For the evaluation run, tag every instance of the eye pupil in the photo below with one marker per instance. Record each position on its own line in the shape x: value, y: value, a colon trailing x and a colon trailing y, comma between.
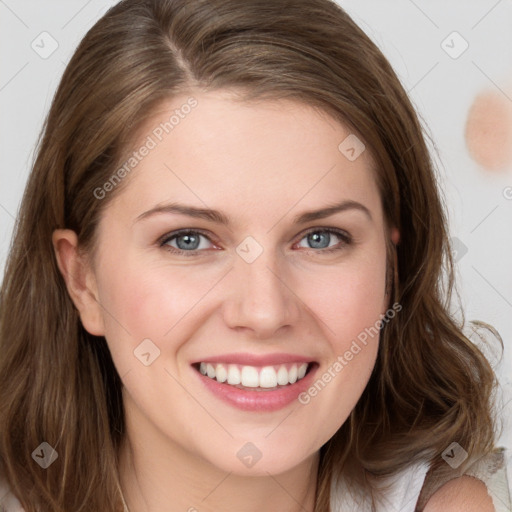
x: 191, y: 241
x: 316, y: 239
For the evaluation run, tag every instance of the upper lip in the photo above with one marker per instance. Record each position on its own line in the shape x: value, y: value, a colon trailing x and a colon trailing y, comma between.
x: 246, y: 359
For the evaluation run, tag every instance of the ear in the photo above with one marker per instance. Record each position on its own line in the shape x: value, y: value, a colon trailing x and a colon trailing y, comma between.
x: 395, y: 236
x: 80, y: 280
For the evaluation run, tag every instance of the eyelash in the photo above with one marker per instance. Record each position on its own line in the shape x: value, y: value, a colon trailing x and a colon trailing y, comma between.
x: 346, y: 239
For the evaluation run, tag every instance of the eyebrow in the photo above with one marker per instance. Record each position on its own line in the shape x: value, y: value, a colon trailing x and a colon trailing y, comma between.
x: 220, y: 218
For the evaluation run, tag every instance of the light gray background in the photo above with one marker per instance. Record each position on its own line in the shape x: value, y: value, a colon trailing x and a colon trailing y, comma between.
x: 410, y: 34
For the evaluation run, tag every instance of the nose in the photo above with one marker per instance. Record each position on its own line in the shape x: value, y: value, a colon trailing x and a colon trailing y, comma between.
x: 261, y: 299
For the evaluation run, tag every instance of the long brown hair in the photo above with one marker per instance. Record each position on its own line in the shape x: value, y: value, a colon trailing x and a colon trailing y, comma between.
x: 430, y: 385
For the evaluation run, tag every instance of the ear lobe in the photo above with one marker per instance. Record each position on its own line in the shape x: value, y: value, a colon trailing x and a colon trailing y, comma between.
x: 80, y: 280
x: 395, y: 236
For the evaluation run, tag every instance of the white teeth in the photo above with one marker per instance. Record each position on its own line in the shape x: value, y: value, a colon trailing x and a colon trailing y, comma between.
x: 292, y: 374
x: 249, y: 377
x: 268, y: 377
x: 301, y: 373
x: 282, y: 376
x: 221, y: 373
x: 233, y: 374
x: 252, y: 376
x: 210, y: 371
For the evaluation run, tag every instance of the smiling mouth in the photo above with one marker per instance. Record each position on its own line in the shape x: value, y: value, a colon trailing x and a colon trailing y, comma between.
x: 255, y: 378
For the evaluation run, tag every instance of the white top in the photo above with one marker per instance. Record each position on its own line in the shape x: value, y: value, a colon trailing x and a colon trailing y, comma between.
x: 494, y: 470
x: 402, y: 496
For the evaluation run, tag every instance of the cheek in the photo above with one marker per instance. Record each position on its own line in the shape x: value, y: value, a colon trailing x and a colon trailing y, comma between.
x: 349, y: 303
x: 348, y: 299
x: 141, y: 301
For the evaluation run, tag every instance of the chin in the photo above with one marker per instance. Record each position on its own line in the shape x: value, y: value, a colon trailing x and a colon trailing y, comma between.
x: 258, y: 459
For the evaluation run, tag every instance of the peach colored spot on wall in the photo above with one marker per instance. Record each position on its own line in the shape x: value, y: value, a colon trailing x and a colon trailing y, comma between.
x: 489, y: 131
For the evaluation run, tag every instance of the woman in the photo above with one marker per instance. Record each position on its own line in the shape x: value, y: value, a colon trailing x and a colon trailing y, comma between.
x: 225, y: 290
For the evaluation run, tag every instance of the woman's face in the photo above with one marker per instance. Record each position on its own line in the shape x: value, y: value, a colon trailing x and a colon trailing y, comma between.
x: 258, y: 286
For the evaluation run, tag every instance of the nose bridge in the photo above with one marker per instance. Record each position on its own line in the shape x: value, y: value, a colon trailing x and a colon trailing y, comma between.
x: 260, y: 298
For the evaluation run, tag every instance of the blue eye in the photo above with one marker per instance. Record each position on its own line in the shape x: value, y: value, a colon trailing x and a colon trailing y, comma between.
x: 320, y: 238
x: 187, y: 242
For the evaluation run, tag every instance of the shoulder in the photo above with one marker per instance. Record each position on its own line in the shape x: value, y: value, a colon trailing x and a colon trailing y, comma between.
x: 8, y: 502
x: 463, y: 494
x: 483, y: 486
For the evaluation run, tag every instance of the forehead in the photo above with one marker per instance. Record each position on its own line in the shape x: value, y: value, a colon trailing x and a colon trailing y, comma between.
x: 251, y: 154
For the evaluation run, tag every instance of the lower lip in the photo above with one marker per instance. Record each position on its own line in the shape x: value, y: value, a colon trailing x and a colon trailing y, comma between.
x: 250, y: 400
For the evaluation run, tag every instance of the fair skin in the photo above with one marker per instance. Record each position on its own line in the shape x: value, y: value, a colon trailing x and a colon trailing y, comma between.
x: 464, y: 494
x: 260, y: 164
